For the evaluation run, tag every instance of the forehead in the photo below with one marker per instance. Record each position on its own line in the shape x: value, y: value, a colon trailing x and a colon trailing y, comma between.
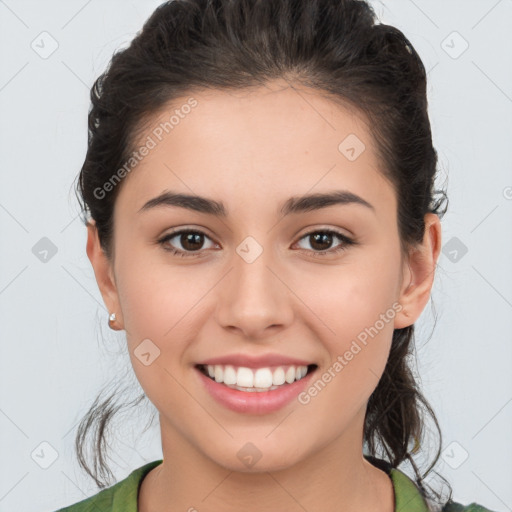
x: 254, y: 146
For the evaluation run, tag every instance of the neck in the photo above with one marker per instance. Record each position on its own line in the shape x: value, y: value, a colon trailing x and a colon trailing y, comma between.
x: 335, y: 478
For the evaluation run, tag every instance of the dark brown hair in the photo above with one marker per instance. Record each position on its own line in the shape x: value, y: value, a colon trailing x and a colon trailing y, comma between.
x: 336, y: 47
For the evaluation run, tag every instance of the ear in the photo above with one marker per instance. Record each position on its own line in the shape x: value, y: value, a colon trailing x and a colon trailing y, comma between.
x: 419, y: 272
x: 104, y: 274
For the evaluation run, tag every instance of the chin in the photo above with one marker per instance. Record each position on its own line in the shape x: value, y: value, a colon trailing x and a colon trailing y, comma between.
x: 248, y: 458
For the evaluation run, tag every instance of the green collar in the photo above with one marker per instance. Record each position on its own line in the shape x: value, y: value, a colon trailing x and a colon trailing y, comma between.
x: 125, y: 497
x: 407, y: 495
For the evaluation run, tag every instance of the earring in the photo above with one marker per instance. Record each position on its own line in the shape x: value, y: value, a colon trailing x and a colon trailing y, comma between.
x: 111, y: 318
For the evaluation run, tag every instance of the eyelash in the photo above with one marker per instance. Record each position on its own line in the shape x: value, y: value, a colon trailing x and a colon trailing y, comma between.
x: 192, y: 254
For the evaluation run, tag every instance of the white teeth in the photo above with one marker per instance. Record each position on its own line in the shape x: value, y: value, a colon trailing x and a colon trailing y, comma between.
x: 300, y: 372
x: 229, y: 375
x: 290, y: 375
x: 244, y: 378
x: 261, y: 379
x: 278, y: 377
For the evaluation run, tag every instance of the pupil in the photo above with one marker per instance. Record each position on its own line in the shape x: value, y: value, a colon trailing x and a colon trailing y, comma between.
x: 191, y: 238
x: 322, y: 238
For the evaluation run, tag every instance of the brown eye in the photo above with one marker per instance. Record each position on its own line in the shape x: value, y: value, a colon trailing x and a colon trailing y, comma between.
x: 191, y: 241
x: 321, y: 242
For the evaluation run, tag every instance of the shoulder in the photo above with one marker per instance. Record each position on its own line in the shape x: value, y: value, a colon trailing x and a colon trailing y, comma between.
x: 120, y: 497
x: 409, y: 498
x: 100, y: 502
x: 453, y: 506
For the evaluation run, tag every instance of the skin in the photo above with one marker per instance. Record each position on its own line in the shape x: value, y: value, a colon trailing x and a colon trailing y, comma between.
x: 253, y: 150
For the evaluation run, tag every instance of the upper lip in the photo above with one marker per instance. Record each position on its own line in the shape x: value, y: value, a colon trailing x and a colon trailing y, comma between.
x: 249, y: 361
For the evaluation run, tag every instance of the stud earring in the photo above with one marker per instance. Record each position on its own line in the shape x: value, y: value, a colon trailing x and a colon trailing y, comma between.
x: 111, y: 318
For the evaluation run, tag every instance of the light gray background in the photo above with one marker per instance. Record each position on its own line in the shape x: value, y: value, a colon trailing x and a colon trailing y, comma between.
x: 57, y: 350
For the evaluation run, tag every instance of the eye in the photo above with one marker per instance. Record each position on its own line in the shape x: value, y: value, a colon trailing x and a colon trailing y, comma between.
x: 190, y: 240
x: 319, y: 239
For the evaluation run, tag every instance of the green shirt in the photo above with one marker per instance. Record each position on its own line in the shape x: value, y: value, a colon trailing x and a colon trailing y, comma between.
x: 122, y: 496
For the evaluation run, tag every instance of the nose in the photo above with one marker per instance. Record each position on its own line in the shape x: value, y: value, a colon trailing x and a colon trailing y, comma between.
x: 254, y: 298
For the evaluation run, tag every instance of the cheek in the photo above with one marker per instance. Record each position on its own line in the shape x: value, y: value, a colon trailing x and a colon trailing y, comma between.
x: 358, y: 304
x: 159, y: 307
x: 352, y: 297
x: 154, y: 296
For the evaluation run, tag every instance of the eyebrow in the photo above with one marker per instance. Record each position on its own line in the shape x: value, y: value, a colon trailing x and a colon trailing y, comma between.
x: 293, y: 205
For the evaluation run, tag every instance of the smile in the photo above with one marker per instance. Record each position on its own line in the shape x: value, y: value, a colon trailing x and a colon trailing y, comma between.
x: 254, y: 390
x: 255, y: 379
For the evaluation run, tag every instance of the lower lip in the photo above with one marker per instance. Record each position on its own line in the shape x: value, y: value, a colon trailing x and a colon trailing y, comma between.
x: 254, y: 402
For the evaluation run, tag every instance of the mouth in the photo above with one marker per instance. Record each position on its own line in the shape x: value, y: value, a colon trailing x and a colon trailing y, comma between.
x: 255, y: 379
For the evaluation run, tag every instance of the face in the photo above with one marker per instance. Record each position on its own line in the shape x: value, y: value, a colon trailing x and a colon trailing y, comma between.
x: 320, y: 286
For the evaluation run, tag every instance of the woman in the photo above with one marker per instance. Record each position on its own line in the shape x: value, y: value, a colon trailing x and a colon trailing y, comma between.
x: 264, y: 226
